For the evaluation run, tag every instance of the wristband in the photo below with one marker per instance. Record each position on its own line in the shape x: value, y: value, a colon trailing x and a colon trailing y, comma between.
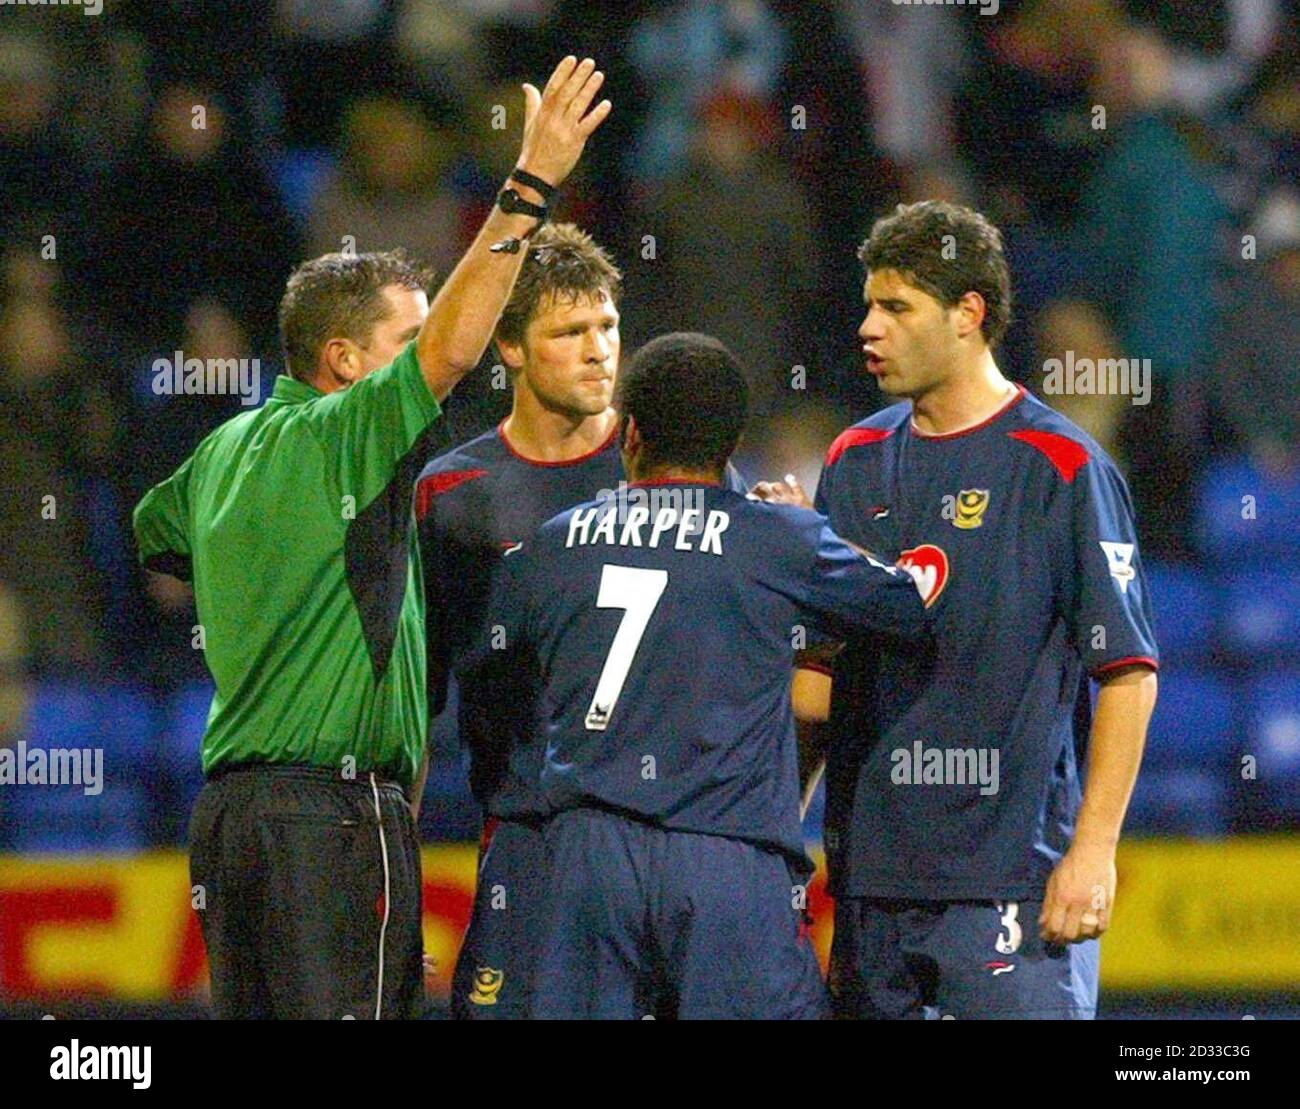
x: 533, y: 182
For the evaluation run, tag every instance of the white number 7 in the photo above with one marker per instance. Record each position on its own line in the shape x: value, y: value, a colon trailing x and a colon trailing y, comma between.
x: 637, y: 591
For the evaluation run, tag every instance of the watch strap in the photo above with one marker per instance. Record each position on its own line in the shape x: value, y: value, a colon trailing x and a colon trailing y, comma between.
x: 533, y: 182
x: 508, y: 200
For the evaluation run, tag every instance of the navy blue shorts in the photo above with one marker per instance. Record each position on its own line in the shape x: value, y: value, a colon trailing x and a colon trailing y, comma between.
x: 901, y: 960
x: 645, y: 922
x: 493, y: 976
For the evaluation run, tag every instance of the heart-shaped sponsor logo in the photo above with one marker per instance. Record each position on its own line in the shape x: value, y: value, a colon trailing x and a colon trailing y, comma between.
x: 928, y: 566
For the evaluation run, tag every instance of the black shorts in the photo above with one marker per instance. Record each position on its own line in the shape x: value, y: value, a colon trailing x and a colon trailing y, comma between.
x: 308, y: 887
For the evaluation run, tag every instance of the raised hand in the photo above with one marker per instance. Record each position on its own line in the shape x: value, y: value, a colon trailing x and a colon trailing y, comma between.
x: 556, y: 121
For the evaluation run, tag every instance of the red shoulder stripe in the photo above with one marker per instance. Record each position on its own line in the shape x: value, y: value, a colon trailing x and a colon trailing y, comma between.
x: 1065, y: 454
x: 817, y: 667
x: 856, y: 437
x: 1132, y: 660
x: 435, y: 484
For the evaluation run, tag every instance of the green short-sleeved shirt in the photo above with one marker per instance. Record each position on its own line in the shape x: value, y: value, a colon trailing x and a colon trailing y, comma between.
x: 293, y: 522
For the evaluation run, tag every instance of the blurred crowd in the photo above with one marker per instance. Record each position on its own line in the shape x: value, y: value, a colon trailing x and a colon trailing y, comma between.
x: 165, y: 164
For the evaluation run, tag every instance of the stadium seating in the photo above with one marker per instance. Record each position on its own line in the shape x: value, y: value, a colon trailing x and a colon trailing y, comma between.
x: 1261, y: 613
x: 71, y: 714
x: 1271, y: 798
x: 1185, y: 786
x: 1180, y: 801
x: 1185, y: 612
x: 1194, y: 723
x: 181, y: 740
x: 1232, y: 530
x: 120, y: 724
x: 57, y: 819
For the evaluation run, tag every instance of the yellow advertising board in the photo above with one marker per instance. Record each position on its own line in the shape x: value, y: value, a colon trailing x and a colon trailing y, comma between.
x: 1189, y: 916
x: 1206, y: 915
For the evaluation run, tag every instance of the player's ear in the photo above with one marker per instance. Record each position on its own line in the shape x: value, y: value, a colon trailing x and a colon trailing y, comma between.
x: 971, y: 311
x: 630, y: 445
x: 630, y: 434
x: 512, y: 355
x: 340, y: 360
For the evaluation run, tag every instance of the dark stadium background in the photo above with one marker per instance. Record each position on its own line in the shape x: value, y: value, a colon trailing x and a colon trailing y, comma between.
x: 751, y: 145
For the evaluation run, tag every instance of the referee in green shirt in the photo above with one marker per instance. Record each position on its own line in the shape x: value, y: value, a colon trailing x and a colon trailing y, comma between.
x: 293, y: 524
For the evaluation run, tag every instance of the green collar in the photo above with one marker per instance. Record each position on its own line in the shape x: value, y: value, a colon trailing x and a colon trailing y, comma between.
x: 289, y: 390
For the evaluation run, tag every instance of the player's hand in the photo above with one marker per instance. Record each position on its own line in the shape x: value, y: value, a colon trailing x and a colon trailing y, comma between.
x: 431, y: 983
x: 556, y: 121
x: 1079, y: 895
x: 782, y: 492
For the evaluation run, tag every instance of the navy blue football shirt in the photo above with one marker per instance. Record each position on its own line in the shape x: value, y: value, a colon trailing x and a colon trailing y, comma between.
x: 473, y: 503
x: 663, y: 623
x: 955, y: 775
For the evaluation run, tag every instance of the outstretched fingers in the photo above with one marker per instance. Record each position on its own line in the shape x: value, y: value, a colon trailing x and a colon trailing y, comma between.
x: 574, y: 82
x: 578, y: 107
x: 559, y: 75
x: 594, y: 118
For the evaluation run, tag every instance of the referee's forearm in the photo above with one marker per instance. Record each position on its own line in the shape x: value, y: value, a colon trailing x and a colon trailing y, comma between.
x: 466, y: 310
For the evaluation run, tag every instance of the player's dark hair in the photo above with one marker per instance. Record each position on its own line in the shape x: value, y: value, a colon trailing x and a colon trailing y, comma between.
x: 565, y: 263
x: 690, y: 399
x: 340, y: 296
x: 914, y: 241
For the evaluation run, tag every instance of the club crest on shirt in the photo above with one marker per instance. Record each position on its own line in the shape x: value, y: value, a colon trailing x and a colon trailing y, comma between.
x: 487, y: 984
x: 971, y: 504
x: 928, y: 566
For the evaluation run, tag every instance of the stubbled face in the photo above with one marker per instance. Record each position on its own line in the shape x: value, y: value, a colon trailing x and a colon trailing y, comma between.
x: 908, y: 337
x: 569, y: 356
x: 407, y: 309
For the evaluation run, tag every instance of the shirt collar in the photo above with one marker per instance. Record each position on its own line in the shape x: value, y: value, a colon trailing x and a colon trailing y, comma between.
x: 289, y: 390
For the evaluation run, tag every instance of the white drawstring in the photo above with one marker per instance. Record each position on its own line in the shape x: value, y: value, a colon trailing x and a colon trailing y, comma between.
x: 383, y: 927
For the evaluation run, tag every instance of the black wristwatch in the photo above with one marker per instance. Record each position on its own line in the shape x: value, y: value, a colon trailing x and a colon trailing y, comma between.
x: 510, y: 202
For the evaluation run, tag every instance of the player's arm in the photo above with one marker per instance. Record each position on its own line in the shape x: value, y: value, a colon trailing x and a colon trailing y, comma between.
x: 853, y: 591
x: 161, y: 525
x: 1081, y: 891
x: 369, y: 428
x: 1109, y: 607
x: 469, y: 304
x: 810, y: 694
x: 791, y: 492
